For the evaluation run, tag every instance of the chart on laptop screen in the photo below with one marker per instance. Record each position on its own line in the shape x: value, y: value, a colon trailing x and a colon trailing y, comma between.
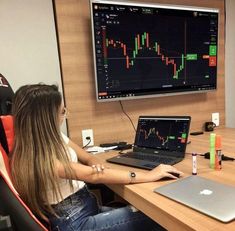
x: 162, y: 134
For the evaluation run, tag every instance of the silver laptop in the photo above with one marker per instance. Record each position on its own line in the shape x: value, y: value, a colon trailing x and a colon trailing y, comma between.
x: 158, y: 139
x: 209, y: 197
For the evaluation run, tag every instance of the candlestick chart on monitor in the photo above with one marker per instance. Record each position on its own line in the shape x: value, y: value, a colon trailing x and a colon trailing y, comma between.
x: 146, y: 50
x: 164, y: 135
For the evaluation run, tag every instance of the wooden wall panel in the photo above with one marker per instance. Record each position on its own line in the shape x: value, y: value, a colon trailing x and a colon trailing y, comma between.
x: 107, y: 119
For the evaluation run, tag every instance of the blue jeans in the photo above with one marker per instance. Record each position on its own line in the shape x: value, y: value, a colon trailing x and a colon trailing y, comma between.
x: 80, y: 211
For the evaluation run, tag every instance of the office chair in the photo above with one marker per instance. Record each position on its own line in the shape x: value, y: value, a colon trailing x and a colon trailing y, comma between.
x: 11, y: 204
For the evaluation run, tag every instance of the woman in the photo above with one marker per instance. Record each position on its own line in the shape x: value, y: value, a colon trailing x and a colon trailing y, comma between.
x: 49, y: 170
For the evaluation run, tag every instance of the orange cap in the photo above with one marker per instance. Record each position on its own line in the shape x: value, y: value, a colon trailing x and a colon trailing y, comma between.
x: 218, y: 142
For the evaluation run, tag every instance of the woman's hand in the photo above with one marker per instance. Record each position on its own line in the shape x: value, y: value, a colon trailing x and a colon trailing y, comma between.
x: 162, y: 171
x: 97, y: 168
x: 96, y: 164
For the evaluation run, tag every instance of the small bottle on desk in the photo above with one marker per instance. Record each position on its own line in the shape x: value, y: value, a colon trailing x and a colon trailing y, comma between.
x: 194, y: 162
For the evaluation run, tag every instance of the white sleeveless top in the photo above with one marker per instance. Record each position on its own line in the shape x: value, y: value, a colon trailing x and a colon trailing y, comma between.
x: 64, y: 184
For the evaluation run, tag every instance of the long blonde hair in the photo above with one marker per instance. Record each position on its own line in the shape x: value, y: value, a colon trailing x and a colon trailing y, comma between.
x: 38, y: 143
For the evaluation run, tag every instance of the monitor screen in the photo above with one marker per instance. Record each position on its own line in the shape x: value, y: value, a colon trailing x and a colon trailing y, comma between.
x: 148, y: 50
x: 164, y: 133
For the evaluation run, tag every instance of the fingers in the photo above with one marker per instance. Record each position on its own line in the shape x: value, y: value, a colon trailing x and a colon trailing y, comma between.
x: 170, y: 171
x: 97, y: 168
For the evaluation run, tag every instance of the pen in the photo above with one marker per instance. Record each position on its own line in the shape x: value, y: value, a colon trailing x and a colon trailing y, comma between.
x: 218, y: 153
x: 212, y: 150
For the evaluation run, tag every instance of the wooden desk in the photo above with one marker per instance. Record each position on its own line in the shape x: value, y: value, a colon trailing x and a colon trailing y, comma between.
x: 170, y: 214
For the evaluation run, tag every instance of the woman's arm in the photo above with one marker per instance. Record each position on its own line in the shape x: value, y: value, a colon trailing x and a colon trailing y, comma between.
x: 116, y: 176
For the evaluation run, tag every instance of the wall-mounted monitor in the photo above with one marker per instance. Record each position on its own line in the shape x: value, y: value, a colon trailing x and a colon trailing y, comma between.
x: 148, y: 50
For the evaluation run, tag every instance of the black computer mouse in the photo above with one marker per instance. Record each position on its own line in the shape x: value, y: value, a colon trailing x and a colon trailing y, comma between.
x: 172, y: 173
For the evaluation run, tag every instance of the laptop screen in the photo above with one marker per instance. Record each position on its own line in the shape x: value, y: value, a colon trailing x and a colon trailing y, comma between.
x: 163, y: 133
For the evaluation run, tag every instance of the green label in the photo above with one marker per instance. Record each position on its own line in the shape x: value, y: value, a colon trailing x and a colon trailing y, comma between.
x: 212, y: 50
x: 191, y: 57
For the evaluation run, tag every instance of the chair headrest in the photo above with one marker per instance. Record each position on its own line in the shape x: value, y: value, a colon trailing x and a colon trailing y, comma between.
x: 6, y: 95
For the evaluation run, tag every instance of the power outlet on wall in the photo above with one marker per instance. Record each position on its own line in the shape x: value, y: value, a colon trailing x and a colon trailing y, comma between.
x: 87, y: 138
x: 215, y: 118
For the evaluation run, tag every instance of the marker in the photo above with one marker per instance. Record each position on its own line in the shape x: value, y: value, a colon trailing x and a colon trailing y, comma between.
x: 218, y: 153
x: 212, y: 150
x: 194, y: 158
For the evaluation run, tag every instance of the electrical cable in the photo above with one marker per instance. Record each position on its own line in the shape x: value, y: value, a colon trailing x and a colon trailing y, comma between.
x: 207, y: 156
x: 89, y: 141
x: 127, y: 115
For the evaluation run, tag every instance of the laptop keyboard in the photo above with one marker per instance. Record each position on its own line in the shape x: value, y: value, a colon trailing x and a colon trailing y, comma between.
x: 148, y: 157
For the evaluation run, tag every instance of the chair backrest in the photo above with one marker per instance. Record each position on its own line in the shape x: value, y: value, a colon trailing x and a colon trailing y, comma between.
x: 10, y: 202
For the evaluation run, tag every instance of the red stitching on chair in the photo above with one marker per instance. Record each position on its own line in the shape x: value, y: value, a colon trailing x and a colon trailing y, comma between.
x: 6, y: 162
x: 7, y: 121
x: 23, y: 204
